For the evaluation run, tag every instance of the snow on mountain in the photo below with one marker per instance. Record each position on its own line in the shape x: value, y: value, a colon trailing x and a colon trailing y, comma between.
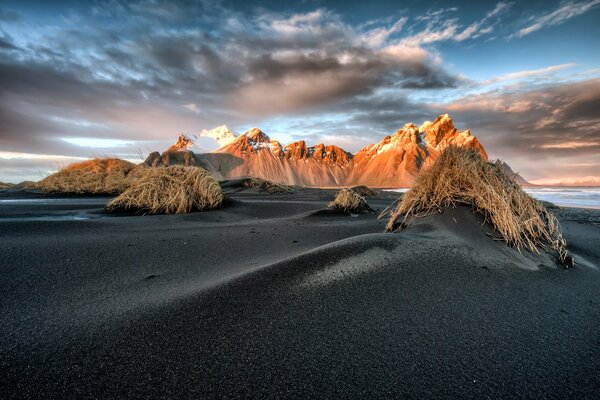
x: 221, y: 134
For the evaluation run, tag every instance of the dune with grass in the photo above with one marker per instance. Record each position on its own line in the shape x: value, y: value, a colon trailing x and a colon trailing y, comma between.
x: 4, y: 185
x: 462, y: 176
x: 365, y: 191
x: 97, y: 176
x: 267, y: 186
x: 24, y: 185
x: 349, y: 201
x: 169, y: 190
x: 255, y: 186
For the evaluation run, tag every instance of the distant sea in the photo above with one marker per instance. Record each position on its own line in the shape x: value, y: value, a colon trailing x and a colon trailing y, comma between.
x: 584, y: 197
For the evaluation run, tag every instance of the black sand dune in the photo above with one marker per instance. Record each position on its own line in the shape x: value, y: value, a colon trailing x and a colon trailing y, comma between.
x: 270, y: 297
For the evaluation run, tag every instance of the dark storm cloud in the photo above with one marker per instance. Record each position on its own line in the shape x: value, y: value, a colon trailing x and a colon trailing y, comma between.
x: 279, y: 57
x: 43, y: 83
x: 386, y: 112
x: 547, y: 127
x: 364, y: 65
x: 360, y: 120
x: 308, y: 81
x: 121, y: 60
x: 34, y: 98
x: 550, y: 116
x: 7, y: 44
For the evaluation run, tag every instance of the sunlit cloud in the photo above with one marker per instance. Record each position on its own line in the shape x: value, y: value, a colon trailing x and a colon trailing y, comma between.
x: 8, y: 155
x: 569, y: 181
x: 78, y: 122
x: 192, y: 107
x: 569, y: 145
x: 97, y: 142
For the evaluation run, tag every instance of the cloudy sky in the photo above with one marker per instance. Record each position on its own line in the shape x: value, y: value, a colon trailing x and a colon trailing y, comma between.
x: 122, y: 78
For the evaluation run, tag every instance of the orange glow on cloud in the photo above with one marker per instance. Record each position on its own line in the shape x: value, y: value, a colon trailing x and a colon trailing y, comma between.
x: 569, y: 145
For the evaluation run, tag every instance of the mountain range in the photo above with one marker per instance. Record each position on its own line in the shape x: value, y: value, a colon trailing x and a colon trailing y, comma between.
x: 393, y: 162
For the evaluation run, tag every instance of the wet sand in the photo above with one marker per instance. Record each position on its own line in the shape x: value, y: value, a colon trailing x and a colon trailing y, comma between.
x: 274, y: 296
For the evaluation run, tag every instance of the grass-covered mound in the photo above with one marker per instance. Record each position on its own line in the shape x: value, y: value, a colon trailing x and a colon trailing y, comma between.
x: 97, y: 176
x: 462, y: 176
x: 5, y: 185
x: 365, y: 191
x: 171, y: 190
x: 349, y: 201
x: 24, y: 185
x: 268, y: 186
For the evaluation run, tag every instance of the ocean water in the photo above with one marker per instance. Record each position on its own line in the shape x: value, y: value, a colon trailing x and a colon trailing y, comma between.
x: 568, y: 197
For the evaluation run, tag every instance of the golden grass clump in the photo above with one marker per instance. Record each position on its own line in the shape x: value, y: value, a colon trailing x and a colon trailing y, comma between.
x: 268, y: 186
x: 97, y: 176
x: 365, y: 191
x: 462, y: 176
x: 5, y: 185
x: 350, y: 201
x: 170, y: 190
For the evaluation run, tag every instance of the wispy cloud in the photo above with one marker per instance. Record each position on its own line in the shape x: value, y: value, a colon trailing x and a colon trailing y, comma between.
x: 570, y: 145
x: 484, y: 26
x: 436, y: 15
x: 565, y: 12
x: 439, y: 28
x: 530, y: 73
x: 97, y: 142
x: 378, y: 36
x: 433, y: 34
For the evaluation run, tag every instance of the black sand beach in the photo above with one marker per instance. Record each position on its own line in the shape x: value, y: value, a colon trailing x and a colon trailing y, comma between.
x: 274, y: 296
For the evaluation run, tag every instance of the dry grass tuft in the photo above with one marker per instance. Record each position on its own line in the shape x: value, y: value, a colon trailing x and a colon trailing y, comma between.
x: 461, y: 176
x: 170, y: 190
x: 5, y: 185
x: 268, y: 186
x: 350, y: 201
x: 365, y: 191
x: 97, y: 176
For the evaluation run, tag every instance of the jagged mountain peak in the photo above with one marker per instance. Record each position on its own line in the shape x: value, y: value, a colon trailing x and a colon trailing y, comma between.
x: 409, y: 127
x: 256, y: 135
x: 296, y: 150
x: 183, y: 143
x: 331, y: 154
x: 250, y: 142
x: 424, y: 126
x: 442, y: 127
x: 428, y: 134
